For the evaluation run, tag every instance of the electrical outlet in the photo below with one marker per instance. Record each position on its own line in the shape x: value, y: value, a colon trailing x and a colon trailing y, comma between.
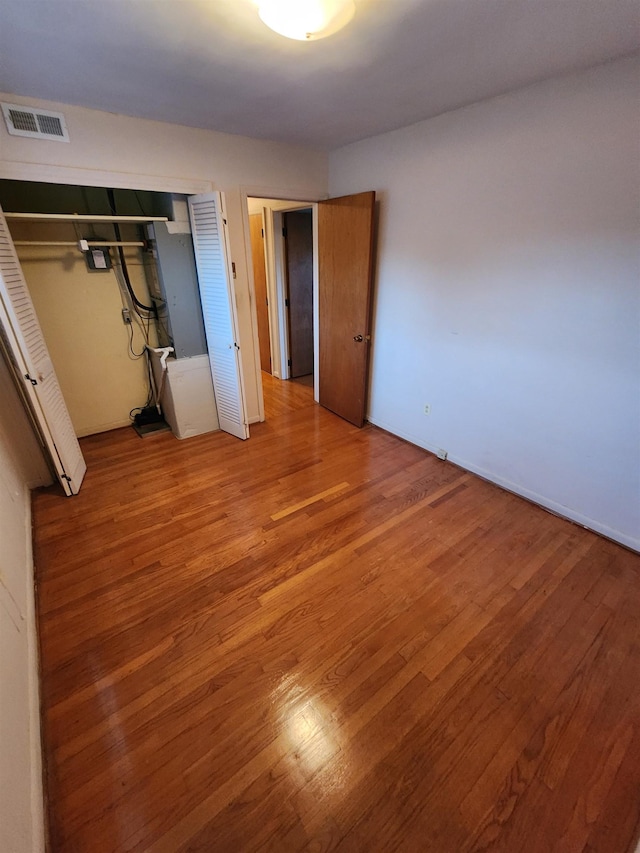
x: 427, y: 408
x: 442, y: 454
x: 126, y: 316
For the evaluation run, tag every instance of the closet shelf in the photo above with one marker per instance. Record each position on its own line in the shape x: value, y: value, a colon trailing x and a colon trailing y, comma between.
x: 99, y: 243
x: 82, y: 217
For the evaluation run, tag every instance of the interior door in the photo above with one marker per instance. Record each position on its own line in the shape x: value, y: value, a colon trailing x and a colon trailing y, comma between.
x: 260, y: 282
x: 298, y: 229
x: 211, y: 249
x: 25, y: 345
x: 345, y: 262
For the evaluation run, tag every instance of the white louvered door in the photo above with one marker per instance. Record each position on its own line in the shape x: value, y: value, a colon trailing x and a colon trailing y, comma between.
x: 210, y: 243
x: 23, y: 338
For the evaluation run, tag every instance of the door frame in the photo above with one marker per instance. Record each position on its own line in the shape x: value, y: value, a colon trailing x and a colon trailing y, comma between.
x: 276, y: 281
x: 262, y: 214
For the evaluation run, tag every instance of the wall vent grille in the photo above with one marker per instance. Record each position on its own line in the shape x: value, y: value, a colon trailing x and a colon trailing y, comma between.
x: 36, y: 123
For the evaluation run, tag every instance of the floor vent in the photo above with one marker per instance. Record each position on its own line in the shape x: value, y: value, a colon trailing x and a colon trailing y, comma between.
x: 36, y: 123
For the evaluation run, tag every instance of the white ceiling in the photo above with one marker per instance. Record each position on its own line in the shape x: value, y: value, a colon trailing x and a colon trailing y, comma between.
x: 213, y: 64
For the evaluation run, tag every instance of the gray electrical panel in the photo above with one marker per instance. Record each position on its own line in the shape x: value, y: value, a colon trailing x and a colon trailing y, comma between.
x: 178, y: 282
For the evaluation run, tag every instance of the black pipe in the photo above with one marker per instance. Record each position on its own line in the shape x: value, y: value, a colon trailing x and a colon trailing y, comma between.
x: 152, y: 309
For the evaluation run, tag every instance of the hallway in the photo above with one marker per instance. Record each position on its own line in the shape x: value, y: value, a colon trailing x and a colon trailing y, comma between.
x: 281, y: 397
x: 326, y: 639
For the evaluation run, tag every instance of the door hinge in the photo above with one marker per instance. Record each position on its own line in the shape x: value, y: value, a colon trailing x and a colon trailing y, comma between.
x: 286, y: 303
x: 262, y: 232
x: 31, y: 380
x: 65, y: 477
x: 233, y: 268
x: 288, y: 362
x: 284, y: 233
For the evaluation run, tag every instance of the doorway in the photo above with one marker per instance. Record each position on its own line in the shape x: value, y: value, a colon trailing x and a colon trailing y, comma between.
x: 298, y: 249
x: 283, y: 262
x: 342, y: 248
x: 99, y: 308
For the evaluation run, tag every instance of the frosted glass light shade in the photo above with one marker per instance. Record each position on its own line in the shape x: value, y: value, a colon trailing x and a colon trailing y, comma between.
x: 306, y: 20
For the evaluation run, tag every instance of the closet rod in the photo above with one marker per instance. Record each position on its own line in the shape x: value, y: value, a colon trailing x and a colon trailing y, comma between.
x: 82, y: 217
x: 97, y: 243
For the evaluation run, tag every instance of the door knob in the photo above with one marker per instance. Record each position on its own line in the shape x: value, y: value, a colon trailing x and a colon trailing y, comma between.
x: 358, y: 338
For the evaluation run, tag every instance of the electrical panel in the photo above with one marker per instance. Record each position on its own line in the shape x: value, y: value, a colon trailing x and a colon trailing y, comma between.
x: 98, y: 259
x: 179, y: 311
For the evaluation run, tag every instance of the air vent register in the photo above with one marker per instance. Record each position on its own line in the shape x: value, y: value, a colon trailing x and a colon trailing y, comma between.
x: 35, y: 123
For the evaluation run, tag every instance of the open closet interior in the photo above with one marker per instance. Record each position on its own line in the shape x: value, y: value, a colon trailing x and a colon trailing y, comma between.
x: 112, y: 277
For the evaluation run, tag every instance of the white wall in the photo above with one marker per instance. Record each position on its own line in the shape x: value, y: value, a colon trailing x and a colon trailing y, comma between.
x: 508, y: 290
x: 21, y: 463
x: 113, y: 150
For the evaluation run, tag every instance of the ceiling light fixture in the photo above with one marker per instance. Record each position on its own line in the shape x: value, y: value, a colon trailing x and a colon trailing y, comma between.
x: 306, y: 20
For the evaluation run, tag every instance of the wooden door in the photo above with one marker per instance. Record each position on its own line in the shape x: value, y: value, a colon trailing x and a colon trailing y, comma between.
x: 299, y: 258
x: 260, y: 282
x: 345, y: 259
x: 211, y: 250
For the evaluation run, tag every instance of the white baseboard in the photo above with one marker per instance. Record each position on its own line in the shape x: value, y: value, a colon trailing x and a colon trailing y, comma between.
x: 521, y: 491
x: 94, y: 430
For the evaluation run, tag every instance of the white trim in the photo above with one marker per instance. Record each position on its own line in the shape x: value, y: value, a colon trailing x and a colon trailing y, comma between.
x: 278, y: 194
x: 36, y: 786
x: 272, y: 308
x: 104, y: 427
x: 17, y: 171
x: 528, y: 494
x: 253, y: 309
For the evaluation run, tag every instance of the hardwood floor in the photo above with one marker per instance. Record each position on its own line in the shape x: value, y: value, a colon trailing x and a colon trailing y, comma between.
x: 326, y: 639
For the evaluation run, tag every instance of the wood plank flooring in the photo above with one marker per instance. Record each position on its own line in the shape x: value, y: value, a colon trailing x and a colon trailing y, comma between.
x: 326, y: 639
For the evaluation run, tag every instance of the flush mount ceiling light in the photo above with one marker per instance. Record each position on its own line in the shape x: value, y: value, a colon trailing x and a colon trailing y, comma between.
x: 306, y: 20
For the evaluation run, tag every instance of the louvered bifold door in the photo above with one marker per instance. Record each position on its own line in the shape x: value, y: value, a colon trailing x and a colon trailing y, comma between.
x: 23, y: 337
x: 211, y: 247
